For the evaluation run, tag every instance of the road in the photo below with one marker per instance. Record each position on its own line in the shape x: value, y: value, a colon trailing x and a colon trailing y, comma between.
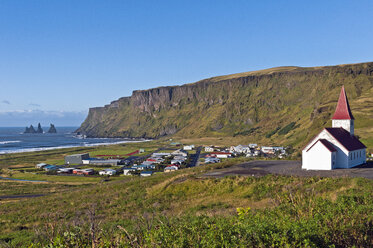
x: 195, y: 157
x: 290, y: 168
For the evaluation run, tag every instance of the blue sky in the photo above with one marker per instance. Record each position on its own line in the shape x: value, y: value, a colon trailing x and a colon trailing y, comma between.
x: 59, y: 58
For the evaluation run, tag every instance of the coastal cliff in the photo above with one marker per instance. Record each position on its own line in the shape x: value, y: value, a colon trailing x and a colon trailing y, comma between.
x: 282, y: 105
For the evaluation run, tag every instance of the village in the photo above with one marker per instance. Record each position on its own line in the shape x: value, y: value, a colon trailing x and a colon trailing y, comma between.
x: 163, y: 160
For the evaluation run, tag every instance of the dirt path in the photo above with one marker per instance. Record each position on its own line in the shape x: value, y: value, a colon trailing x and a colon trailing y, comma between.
x: 20, y: 196
x: 287, y: 167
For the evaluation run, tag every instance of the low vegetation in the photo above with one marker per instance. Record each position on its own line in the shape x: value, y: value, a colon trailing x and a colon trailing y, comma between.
x: 287, y: 128
x: 186, y: 209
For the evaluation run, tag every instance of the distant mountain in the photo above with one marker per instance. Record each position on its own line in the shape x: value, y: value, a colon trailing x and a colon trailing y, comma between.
x: 284, y: 105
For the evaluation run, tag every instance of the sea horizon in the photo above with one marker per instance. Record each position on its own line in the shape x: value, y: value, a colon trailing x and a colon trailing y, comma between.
x: 13, y: 140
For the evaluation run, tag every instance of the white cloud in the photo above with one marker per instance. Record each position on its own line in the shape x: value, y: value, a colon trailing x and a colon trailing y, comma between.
x: 27, y: 117
x: 34, y: 105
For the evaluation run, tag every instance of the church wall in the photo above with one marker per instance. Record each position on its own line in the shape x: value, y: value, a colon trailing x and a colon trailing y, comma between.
x: 357, y: 157
x: 342, y: 153
x: 346, y: 124
x: 318, y: 158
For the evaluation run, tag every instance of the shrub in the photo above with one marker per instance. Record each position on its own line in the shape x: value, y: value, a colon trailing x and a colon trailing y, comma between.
x: 287, y: 128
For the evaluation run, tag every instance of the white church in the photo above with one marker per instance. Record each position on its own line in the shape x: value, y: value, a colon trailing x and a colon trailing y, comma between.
x: 335, y: 147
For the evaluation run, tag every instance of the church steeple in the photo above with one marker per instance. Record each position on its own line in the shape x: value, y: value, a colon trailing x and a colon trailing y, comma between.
x: 343, y: 111
x: 343, y: 116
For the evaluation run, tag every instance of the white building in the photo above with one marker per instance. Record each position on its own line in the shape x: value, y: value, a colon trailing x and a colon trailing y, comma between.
x: 161, y: 154
x: 268, y: 149
x: 240, y: 149
x: 188, y: 147
x: 335, y: 147
x: 170, y: 168
x: 180, y: 153
x: 128, y: 171
x: 108, y: 172
x: 209, y: 149
x: 212, y: 160
x: 222, y: 154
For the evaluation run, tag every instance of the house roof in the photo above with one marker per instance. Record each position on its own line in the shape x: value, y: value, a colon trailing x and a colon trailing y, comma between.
x: 343, y: 111
x: 326, y: 143
x: 348, y: 141
x: 147, y: 172
x: 171, y: 168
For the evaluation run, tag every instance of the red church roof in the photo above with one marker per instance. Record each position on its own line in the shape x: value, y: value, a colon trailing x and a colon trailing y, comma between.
x: 350, y: 142
x: 343, y: 111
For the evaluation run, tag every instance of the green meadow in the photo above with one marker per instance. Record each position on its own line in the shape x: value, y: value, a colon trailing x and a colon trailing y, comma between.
x: 182, y: 209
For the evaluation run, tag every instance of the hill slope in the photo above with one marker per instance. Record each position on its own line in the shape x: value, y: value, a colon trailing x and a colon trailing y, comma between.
x: 285, y: 105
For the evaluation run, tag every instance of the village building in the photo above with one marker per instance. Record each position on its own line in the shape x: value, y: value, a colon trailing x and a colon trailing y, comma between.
x: 41, y: 165
x: 83, y: 171
x: 128, y: 171
x: 240, y: 149
x: 76, y: 158
x: 222, y: 154
x: 268, y: 150
x: 66, y: 170
x: 110, y: 162
x: 335, y: 147
x: 212, y: 160
x: 161, y: 154
x: 146, y: 173
x: 188, y: 147
x: 209, y: 149
x: 171, y: 168
x: 108, y: 172
x: 180, y: 153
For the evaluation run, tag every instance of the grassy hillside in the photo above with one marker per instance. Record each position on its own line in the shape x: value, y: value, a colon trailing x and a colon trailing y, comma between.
x: 285, y: 105
x: 183, y: 209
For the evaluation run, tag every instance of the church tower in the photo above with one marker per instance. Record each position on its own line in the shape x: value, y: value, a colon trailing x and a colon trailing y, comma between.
x: 343, y: 116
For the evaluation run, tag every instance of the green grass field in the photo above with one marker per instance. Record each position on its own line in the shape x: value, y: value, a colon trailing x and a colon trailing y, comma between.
x: 182, y: 208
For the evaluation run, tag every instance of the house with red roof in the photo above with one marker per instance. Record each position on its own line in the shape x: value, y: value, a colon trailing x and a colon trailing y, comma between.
x: 335, y: 147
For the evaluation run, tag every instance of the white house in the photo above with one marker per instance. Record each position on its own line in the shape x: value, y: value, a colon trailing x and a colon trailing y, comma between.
x: 188, y: 147
x: 209, y: 149
x: 127, y: 171
x: 109, y: 172
x: 212, y: 160
x: 180, y: 153
x: 161, y: 154
x: 335, y: 147
x: 170, y: 168
x: 268, y: 149
x: 240, y: 149
x: 41, y: 165
x: 222, y: 154
x: 146, y: 173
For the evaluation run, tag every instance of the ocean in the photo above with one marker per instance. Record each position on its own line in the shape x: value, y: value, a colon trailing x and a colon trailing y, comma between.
x: 13, y: 140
